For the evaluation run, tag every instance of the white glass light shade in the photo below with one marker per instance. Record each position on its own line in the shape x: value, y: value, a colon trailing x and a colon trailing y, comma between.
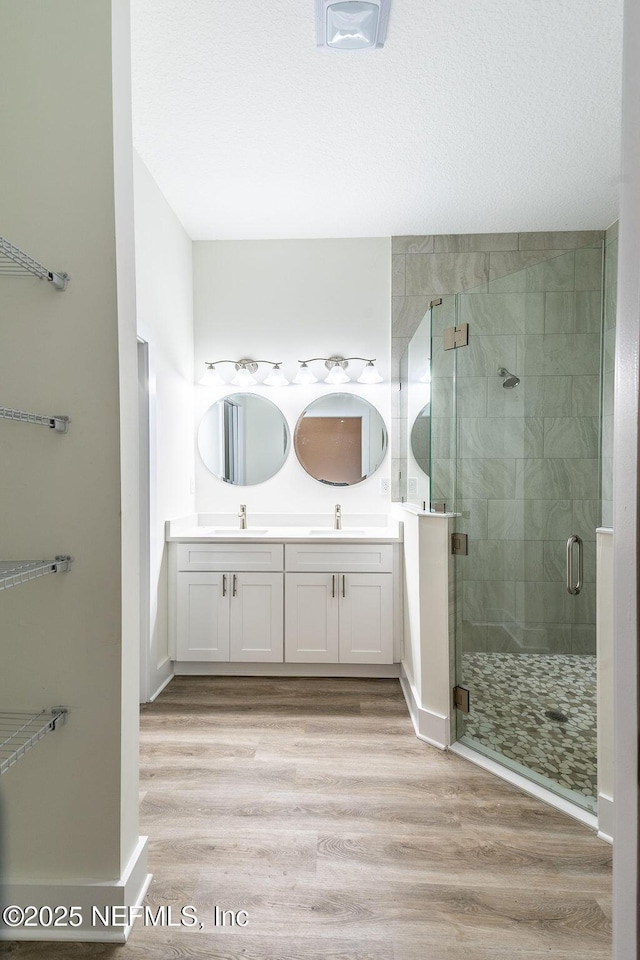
x: 305, y: 375
x: 276, y: 378
x: 370, y: 374
x: 351, y: 24
x: 211, y: 377
x: 244, y: 378
x: 337, y: 375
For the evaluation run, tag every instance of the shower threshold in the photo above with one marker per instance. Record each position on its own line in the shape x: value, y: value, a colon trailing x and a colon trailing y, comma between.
x: 568, y: 801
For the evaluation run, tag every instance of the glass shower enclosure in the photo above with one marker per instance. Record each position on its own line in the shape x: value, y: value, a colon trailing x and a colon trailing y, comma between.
x: 509, y: 440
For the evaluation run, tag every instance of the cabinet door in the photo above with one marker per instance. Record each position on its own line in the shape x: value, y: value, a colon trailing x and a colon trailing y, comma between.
x: 311, y: 618
x: 256, y: 617
x: 366, y: 618
x: 202, y: 613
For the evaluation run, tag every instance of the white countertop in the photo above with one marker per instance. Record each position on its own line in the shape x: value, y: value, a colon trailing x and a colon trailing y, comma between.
x: 269, y: 528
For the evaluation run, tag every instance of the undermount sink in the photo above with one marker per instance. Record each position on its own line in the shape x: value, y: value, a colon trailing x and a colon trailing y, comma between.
x: 331, y: 531
x: 236, y: 532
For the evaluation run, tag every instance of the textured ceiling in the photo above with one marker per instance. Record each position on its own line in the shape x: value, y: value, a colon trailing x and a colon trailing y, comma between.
x: 476, y: 116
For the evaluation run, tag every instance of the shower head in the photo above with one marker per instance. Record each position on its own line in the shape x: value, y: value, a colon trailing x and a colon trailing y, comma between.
x: 510, y: 379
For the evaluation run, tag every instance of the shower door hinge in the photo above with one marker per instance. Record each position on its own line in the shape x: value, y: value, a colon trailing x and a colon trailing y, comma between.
x: 455, y: 337
x: 459, y: 545
x: 461, y: 699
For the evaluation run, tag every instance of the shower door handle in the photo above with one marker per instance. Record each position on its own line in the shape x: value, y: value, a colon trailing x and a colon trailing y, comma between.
x: 574, y: 586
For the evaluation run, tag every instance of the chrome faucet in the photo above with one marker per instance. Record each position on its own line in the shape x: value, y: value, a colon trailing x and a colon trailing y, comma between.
x: 243, y: 516
x: 338, y: 518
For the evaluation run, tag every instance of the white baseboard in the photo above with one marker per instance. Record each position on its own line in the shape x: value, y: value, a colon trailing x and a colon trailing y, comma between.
x: 127, y: 892
x: 165, y: 683
x: 605, y: 817
x: 197, y: 668
x: 431, y: 727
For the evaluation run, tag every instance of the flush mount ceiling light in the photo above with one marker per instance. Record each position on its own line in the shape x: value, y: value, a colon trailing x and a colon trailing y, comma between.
x: 351, y: 24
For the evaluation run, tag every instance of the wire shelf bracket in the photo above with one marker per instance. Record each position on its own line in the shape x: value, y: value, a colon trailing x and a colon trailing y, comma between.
x: 13, y: 573
x: 59, y: 423
x: 19, y: 732
x: 14, y: 262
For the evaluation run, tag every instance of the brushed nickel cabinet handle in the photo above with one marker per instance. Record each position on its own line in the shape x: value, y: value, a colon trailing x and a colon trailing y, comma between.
x: 344, y: 585
x: 224, y: 584
x: 333, y: 585
x: 235, y: 585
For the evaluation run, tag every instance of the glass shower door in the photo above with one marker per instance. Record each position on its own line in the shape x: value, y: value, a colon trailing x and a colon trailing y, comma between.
x: 527, y: 481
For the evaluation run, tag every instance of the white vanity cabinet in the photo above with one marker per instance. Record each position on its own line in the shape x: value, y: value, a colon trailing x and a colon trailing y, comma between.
x: 339, y: 603
x: 227, y: 602
x: 237, y: 603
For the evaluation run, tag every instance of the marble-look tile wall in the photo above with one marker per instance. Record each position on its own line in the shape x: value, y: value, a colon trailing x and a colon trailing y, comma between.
x: 527, y: 472
x: 608, y: 369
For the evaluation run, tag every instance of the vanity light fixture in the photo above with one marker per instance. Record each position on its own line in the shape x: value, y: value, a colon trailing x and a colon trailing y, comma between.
x: 244, y: 376
x: 337, y: 367
x: 246, y: 369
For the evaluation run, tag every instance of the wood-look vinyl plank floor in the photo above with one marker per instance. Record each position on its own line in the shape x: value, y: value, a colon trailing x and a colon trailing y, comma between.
x: 311, y: 804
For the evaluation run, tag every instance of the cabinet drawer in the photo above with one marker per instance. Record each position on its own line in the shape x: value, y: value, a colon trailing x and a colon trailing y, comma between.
x: 338, y: 558
x: 223, y: 557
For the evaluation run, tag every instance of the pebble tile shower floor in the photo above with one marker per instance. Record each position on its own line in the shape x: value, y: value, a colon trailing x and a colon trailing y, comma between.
x: 511, y: 695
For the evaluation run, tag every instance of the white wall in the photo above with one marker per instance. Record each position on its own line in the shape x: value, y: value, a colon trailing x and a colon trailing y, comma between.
x: 427, y: 656
x: 164, y: 288
x: 625, y: 514
x: 289, y: 300
x: 71, y: 803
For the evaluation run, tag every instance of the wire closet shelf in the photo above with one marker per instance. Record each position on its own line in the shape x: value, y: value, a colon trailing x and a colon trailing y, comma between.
x: 14, y: 262
x: 19, y: 732
x: 59, y: 423
x: 13, y: 573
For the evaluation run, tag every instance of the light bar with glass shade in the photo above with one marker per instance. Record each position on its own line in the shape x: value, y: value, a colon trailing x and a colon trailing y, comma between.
x: 246, y: 370
x: 337, y: 367
x: 244, y: 375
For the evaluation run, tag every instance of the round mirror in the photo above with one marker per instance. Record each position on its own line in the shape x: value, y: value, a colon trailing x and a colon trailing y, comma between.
x: 340, y: 439
x: 243, y: 439
x: 421, y: 438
